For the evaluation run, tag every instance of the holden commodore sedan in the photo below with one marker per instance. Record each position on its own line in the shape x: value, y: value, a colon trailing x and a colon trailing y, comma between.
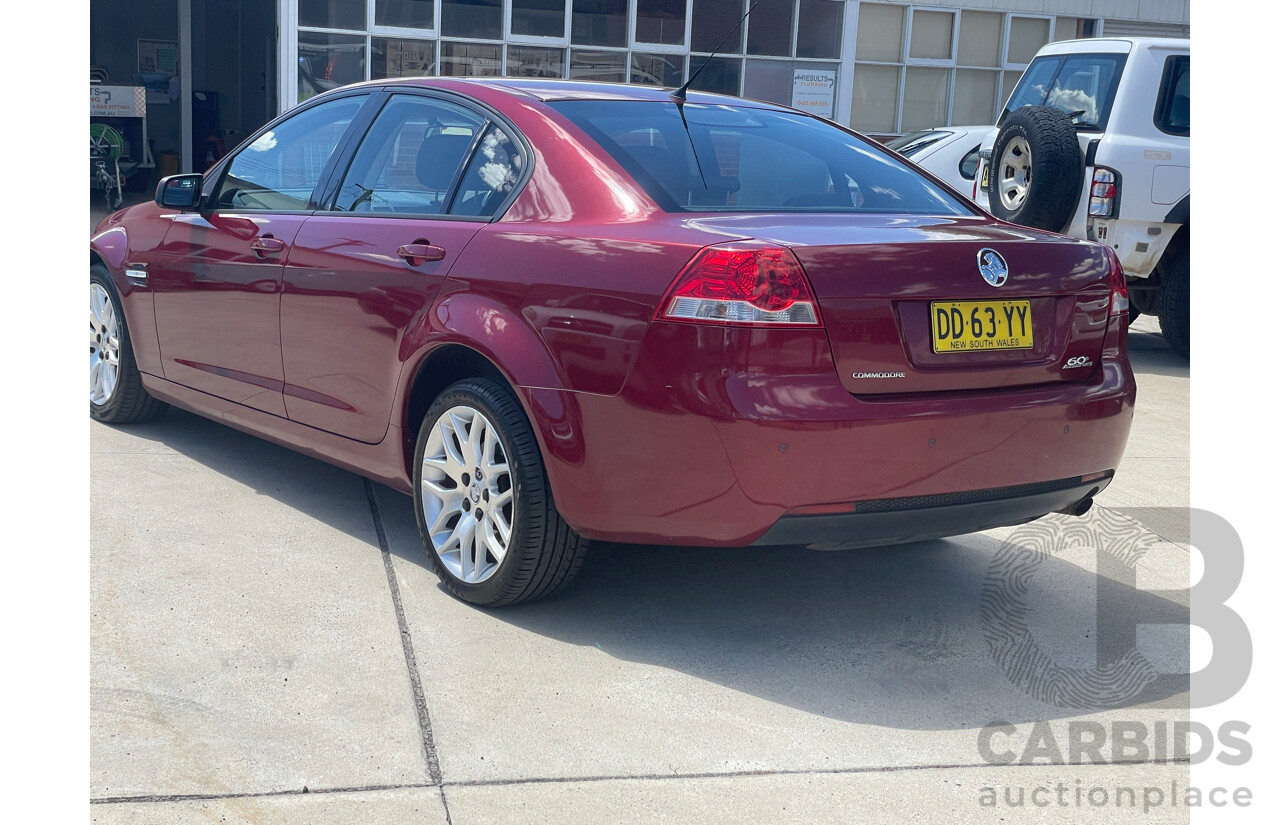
x: 557, y: 312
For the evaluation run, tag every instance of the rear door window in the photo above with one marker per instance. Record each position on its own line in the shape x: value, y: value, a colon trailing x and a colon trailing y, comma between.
x: 732, y: 158
x: 1173, y: 109
x: 411, y: 158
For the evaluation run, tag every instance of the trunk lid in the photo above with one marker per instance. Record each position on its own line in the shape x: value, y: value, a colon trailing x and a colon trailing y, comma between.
x: 881, y: 279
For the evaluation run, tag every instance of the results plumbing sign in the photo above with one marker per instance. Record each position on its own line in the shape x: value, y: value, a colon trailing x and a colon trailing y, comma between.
x: 814, y: 92
x: 117, y: 101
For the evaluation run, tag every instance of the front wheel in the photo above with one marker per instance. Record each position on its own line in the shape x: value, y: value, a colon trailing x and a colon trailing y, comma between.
x: 116, y: 394
x: 483, y: 502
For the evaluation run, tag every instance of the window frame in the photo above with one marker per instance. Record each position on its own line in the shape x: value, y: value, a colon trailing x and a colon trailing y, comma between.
x: 953, y: 64
x: 536, y: 40
x: 635, y: 45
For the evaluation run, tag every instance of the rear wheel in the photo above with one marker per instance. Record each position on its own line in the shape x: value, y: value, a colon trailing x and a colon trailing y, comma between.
x: 1036, y: 169
x: 116, y: 394
x: 1175, y: 294
x: 483, y: 502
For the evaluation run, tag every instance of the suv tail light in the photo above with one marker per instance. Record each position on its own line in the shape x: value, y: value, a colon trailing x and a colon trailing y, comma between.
x: 1104, y: 193
x: 1119, y: 290
x: 743, y: 283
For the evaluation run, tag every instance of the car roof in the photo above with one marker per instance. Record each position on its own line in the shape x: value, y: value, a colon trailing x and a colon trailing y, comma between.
x: 551, y: 90
x: 1123, y: 45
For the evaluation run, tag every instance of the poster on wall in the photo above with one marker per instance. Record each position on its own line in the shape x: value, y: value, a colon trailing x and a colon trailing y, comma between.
x: 814, y: 91
x: 158, y: 69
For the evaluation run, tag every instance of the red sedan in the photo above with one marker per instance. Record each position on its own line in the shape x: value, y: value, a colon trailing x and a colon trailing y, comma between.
x: 556, y: 312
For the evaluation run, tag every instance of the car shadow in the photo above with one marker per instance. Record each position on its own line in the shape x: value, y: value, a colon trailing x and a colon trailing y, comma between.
x: 895, y: 637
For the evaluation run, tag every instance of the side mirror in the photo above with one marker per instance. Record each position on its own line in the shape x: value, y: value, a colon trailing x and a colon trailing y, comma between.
x: 179, y: 191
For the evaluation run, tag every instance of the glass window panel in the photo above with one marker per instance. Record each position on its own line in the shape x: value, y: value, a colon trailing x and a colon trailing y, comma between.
x: 492, y: 174
x: 410, y: 158
x: 332, y: 14
x: 931, y: 34
x: 713, y: 20
x: 534, y: 61
x: 769, y: 80
x: 754, y: 160
x: 600, y: 23
x: 471, y: 18
x: 470, y: 59
x: 879, y: 32
x: 657, y: 69
x: 538, y: 18
x: 821, y: 23
x: 606, y: 66
x: 407, y: 14
x: 875, y: 97
x: 1026, y: 36
x: 327, y: 61
x: 722, y: 75
x: 975, y: 98
x: 1009, y: 83
x: 769, y: 28
x: 278, y: 170
x: 1066, y: 28
x: 924, y: 98
x: 660, y: 21
x: 774, y: 80
x: 980, y: 33
x: 1173, y: 108
x: 402, y: 58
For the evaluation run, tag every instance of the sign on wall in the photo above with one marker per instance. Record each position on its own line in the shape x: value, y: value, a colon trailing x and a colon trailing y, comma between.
x: 814, y: 91
x: 117, y: 101
x: 157, y: 69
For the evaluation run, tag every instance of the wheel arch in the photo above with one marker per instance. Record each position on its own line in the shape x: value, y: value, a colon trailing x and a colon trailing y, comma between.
x: 475, y: 331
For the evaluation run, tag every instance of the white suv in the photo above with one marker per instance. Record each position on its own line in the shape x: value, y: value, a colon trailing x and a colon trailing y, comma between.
x: 1095, y: 142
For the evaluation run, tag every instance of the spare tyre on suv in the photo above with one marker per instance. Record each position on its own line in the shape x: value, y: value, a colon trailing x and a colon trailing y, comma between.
x: 1095, y: 142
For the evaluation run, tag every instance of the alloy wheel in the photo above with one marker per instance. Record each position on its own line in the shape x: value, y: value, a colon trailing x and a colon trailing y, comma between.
x: 104, y: 346
x: 468, y: 500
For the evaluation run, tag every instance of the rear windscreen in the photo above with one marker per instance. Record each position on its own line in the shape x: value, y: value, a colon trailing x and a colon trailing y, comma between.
x: 1082, y: 85
x: 721, y: 158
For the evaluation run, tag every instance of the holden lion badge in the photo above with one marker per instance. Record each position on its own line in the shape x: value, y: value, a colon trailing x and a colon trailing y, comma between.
x: 993, y: 268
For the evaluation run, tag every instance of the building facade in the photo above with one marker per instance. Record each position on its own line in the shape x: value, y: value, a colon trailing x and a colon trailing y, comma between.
x: 883, y: 67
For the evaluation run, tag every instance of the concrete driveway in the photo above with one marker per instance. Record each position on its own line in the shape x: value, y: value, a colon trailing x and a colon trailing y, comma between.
x: 269, y: 645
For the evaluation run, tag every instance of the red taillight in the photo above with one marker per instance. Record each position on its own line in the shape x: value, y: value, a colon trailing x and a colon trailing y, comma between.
x: 743, y: 283
x: 1119, y: 290
x: 1103, y: 193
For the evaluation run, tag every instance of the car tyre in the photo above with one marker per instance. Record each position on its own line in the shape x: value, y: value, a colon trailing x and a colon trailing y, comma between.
x: 116, y: 394
x: 483, y: 503
x: 1036, y: 169
x: 1175, y: 295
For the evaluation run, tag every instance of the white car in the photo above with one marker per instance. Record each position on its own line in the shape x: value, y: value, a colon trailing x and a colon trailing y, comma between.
x: 1095, y: 142
x: 949, y: 152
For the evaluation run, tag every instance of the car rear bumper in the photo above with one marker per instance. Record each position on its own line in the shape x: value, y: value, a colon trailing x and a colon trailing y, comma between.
x: 894, y: 521
x: 702, y: 447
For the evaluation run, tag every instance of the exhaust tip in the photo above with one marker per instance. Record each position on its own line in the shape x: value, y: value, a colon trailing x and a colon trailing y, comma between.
x: 1081, y: 507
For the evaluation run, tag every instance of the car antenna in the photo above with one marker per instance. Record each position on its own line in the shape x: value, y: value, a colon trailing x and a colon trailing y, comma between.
x: 679, y: 95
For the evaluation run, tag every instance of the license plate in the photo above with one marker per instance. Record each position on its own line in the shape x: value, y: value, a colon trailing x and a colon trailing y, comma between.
x: 974, y: 326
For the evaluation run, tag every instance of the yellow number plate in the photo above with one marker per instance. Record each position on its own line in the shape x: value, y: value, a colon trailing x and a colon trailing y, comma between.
x: 973, y: 326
